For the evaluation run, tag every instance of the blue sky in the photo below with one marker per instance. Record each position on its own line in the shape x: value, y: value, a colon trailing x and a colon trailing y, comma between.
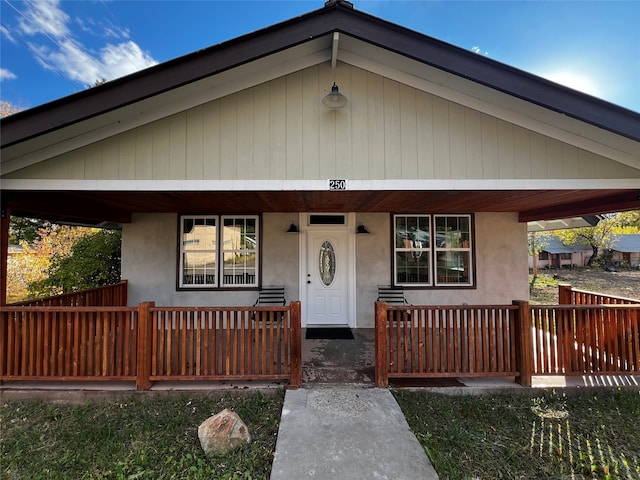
x: 50, y: 49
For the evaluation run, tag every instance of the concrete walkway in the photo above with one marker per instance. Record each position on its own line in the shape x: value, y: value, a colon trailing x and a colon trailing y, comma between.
x: 347, y: 433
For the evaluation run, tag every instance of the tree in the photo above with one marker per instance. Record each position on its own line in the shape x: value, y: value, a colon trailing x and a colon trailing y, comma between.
x: 31, y: 264
x: 537, y: 242
x: 7, y: 108
x: 23, y: 229
x: 93, y: 260
x: 24, y: 267
x: 600, y: 237
x: 627, y: 222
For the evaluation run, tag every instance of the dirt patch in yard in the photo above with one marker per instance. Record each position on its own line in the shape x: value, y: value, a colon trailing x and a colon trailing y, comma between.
x: 622, y: 283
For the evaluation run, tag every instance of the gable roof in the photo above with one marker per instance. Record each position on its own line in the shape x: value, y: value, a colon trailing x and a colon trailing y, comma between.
x: 330, y: 34
x: 555, y: 246
x: 311, y: 34
x: 627, y: 243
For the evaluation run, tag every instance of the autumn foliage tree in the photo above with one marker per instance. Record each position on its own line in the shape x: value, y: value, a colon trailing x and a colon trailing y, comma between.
x: 93, y: 261
x: 603, y: 236
x: 63, y: 259
x: 7, y: 108
x: 31, y: 263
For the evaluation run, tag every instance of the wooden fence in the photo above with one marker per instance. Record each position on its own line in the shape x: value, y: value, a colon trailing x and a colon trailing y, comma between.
x: 586, y: 339
x: 148, y: 343
x: 588, y: 334
x: 56, y: 343
x: 597, y: 334
x: 230, y: 343
x: 106, y: 296
x: 567, y: 295
x: 449, y: 341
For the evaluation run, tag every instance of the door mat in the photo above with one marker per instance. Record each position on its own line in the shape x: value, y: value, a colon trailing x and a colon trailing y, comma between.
x: 341, y: 333
x: 425, y: 382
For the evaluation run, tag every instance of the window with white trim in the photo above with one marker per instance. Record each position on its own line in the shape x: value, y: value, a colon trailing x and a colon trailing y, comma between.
x: 218, y: 251
x: 433, y: 250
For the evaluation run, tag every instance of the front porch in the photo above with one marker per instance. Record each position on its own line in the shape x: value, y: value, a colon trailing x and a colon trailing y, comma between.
x: 592, y: 337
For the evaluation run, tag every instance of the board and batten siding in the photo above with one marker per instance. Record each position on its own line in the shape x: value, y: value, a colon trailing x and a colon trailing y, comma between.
x: 280, y: 130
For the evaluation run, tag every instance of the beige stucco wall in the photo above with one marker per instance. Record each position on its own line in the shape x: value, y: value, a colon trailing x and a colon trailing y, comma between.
x: 279, y: 130
x: 149, y: 257
x: 501, y: 265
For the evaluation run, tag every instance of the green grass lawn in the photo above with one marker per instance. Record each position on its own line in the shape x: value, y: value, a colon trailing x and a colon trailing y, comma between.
x: 541, y: 435
x: 141, y: 437
x: 523, y: 435
x: 586, y: 434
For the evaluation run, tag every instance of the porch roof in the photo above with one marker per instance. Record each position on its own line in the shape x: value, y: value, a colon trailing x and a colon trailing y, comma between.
x: 95, y: 207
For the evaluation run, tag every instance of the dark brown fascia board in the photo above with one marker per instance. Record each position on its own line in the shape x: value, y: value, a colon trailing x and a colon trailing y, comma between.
x: 616, y: 202
x: 336, y: 17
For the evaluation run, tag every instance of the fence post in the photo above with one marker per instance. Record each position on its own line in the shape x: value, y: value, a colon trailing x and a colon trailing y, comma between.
x: 124, y: 299
x: 524, y: 350
x: 634, y: 326
x: 143, y: 357
x: 381, y: 346
x: 5, y: 219
x: 564, y: 294
x: 295, y: 314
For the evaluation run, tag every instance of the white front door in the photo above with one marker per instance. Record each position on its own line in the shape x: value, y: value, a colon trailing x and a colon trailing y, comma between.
x: 327, y: 278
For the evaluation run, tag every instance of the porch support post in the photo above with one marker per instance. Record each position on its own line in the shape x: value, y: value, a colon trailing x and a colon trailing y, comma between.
x: 143, y: 360
x: 524, y: 350
x: 5, y: 218
x: 295, y: 315
x: 564, y: 294
x: 381, y: 346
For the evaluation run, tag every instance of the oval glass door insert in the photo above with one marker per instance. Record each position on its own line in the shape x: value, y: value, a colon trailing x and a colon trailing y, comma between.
x: 327, y: 263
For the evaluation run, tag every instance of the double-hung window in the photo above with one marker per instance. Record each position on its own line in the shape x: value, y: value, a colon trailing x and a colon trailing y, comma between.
x: 433, y: 250
x: 218, y: 251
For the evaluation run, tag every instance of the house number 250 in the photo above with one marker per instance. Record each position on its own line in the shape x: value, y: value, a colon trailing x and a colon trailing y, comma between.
x: 337, y: 184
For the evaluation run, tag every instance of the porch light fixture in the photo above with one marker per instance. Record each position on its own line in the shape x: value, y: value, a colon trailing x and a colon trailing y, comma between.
x: 293, y: 228
x: 334, y: 99
x: 361, y: 229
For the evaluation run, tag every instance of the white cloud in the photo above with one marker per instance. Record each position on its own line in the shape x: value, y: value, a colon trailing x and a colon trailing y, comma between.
x: 6, y: 33
x: 69, y: 56
x: 6, y: 74
x: 44, y: 17
x: 114, y: 61
x: 102, y: 28
x: 124, y: 58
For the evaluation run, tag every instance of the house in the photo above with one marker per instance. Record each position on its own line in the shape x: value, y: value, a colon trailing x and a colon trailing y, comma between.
x: 227, y: 171
x: 626, y: 250
x: 558, y: 255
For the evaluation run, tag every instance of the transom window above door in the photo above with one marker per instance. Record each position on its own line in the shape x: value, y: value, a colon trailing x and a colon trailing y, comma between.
x: 433, y: 250
x: 218, y: 251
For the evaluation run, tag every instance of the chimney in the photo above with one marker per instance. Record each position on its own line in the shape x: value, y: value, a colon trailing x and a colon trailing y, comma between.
x: 344, y: 3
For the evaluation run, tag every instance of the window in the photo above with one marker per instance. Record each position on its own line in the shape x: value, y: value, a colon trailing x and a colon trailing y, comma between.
x: 218, y: 251
x: 424, y: 259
